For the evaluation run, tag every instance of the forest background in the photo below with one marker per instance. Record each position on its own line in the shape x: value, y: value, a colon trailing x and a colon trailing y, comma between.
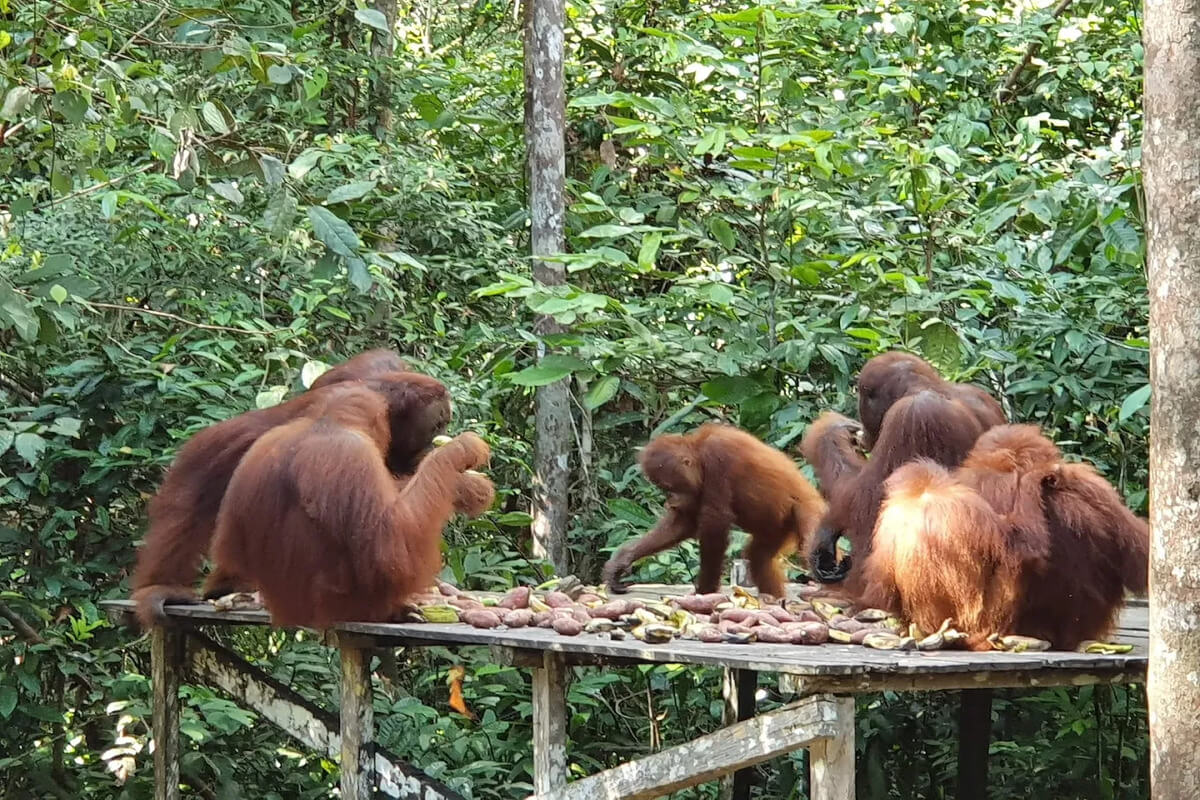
x: 202, y: 201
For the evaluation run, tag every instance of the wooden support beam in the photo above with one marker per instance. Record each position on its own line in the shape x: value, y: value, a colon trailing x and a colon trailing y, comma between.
x: 740, y: 687
x: 550, y: 725
x: 306, y: 723
x: 974, y: 740
x: 358, y: 725
x: 831, y: 760
x: 166, y: 664
x: 743, y: 744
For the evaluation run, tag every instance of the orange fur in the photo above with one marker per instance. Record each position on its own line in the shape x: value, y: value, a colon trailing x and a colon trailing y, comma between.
x: 314, y: 519
x: 719, y: 476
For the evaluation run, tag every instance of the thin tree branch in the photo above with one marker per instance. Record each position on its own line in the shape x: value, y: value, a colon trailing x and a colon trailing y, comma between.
x: 22, y: 627
x: 95, y: 187
x: 167, y: 315
x: 10, y: 383
x: 1007, y: 90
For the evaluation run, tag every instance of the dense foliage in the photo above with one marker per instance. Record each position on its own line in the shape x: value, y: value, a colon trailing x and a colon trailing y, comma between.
x: 200, y: 199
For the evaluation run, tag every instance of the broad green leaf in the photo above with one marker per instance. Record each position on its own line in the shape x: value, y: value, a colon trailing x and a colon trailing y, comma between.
x: 279, y: 74
x: 551, y: 369
x: 213, y: 116
x: 649, y: 250
x: 228, y: 190
x: 280, y: 213
x: 72, y: 105
x: 8, y: 701
x: 730, y: 389
x: 606, y: 231
x: 940, y: 344
x: 601, y: 392
x: 6, y: 441
x: 1134, y: 403
x: 513, y: 519
x: 360, y: 276
x: 272, y: 170
x: 16, y: 101
x: 270, y: 397
x: 350, y: 191
x: 333, y: 232
x: 66, y: 426
x: 372, y: 18
x: 58, y: 294
x: 722, y: 232
x: 630, y: 512
x: 15, y: 312
x: 30, y: 447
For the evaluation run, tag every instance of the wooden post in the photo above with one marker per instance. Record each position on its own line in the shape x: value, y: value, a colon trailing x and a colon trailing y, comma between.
x: 358, y: 724
x: 166, y: 665
x: 974, y: 739
x: 831, y: 761
x: 738, y: 687
x: 549, y: 725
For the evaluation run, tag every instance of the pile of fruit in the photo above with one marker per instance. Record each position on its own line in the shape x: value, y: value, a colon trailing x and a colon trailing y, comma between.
x: 570, y: 608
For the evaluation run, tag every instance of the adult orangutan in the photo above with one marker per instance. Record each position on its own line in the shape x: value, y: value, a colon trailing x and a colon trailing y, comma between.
x: 1016, y: 540
x: 908, y: 412
x: 719, y: 476
x: 183, y: 512
x: 315, y: 521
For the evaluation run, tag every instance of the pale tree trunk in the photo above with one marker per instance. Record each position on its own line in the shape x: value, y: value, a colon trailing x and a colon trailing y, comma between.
x: 382, y: 46
x: 1172, y: 179
x: 545, y: 114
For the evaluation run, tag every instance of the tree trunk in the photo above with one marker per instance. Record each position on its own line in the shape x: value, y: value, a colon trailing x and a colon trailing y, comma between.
x: 545, y: 114
x: 382, y: 46
x: 1172, y: 177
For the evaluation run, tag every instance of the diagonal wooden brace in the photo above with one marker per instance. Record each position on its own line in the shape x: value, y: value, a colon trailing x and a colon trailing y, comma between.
x: 812, y: 721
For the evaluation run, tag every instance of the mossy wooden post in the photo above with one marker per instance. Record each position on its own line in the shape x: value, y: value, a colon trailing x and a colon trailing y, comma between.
x: 549, y: 725
x: 831, y: 760
x: 358, y: 724
x: 166, y: 664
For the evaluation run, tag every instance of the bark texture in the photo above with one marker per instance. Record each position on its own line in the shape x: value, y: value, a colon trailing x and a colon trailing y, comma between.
x: 1172, y: 180
x: 545, y: 115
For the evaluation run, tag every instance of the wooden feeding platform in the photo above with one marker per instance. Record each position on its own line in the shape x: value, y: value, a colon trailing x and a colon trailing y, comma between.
x: 822, y: 679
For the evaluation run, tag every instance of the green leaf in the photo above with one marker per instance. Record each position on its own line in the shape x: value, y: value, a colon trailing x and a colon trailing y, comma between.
x: 8, y: 701
x: 372, y: 18
x: 108, y: 204
x: 350, y: 191
x: 6, y: 440
x: 58, y: 294
x: 1134, y: 403
x: 606, y: 232
x: 213, y: 116
x: 514, y: 519
x: 228, y: 190
x: 30, y: 447
x: 630, y: 512
x: 722, y: 232
x: 940, y: 344
x: 272, y: 170
x: 333, y: 231
x: 279, y: 74
x: 16, y: 101
x: 66, y: 426
x: 552, y: 368
x: 279, y: 213
x: 730, y: 389
x: 601, y: 392
x: 72, y: 105
x: 360, y: 277
x: 649, y: 250
x: 15, y: 312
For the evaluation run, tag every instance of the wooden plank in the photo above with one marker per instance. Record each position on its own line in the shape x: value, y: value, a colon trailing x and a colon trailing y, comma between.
x: 1017, y: 679
x: 843, y: 666
x: 313, y: 727
x: 743, y: 744
x: 550, y: 725
x: 306, y: 723
x: 357, y: 725
x: 974, y: 740
x: 831, y: 760
x: 166, y: 666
